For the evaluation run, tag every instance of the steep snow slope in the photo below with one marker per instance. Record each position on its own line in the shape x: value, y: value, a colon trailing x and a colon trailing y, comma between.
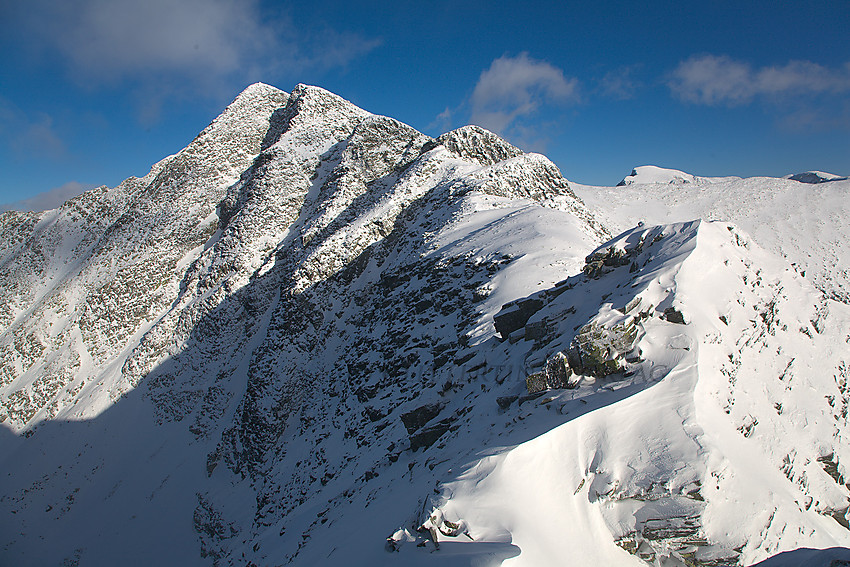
x: 709, y: 455
x: 358, y: 325
x: 804, y: 223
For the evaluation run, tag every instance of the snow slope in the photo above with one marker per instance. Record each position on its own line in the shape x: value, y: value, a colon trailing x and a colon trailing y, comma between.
x: 653, y: 174
x: 704, y: 441
x: 358, y: 327
x: 803, y: 223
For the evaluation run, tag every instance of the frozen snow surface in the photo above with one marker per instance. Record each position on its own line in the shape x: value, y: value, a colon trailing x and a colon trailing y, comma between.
x: 653, y: 174
x: 801, y: 222
x: 316, y: 336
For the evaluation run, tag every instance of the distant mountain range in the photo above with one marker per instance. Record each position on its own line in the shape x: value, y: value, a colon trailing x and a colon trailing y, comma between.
x: 316, y: 336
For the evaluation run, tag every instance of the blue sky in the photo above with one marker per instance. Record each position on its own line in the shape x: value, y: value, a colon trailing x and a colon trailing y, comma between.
x: 94, y: 91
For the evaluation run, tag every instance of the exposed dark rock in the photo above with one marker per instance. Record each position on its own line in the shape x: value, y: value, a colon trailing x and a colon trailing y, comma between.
x: 515, y: 315
x: 623, y: 183
x: 414, y: 420
x: 530, y: 397
x: 537, y: 331
x: 536, y: 382
x: 830, y: 466
x: 430, y: 435
x: 598, y: 351
x: 556, y: 374
x: 813, y: 177
x: 602, y: 262
x: 673, y: 315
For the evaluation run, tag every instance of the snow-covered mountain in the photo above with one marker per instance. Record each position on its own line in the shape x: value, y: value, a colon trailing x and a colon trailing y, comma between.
x: 647, y: 174
x: 315, y: 328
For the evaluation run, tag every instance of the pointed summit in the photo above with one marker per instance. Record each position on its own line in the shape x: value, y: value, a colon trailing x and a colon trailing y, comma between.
x: 259, y: 89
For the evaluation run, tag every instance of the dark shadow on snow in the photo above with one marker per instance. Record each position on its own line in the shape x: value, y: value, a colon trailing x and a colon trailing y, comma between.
x: 807, y: 557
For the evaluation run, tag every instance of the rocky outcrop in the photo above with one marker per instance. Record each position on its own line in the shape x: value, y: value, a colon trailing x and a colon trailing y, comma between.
x: 600, y: 351
x: 556, y: 374
x: 473, y: 143
x: 814, y: 177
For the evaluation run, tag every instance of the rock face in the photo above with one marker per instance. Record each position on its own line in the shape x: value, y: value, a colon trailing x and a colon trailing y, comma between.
x: 313, y: 315
x: 814, y: 177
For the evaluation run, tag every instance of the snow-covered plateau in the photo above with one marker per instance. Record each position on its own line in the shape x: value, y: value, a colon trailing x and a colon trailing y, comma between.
x: 316, y: 336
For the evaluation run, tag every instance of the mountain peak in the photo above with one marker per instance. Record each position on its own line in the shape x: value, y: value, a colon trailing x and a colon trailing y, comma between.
x: 316, y: 99
x: 478, y: 144
x: 655, y: 174
x: 259, y: 89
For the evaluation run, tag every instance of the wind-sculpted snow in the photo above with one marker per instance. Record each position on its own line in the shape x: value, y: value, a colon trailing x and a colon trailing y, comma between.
x: 704, y: 458
x: 804, y: 223
x: 315, y: 328
x: 652, y: 174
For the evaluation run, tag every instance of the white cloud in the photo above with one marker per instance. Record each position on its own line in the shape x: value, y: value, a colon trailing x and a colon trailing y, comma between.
x: 49, y: 199
x: 515, y: 87
x: 712, y: 80
x: 200, y: 41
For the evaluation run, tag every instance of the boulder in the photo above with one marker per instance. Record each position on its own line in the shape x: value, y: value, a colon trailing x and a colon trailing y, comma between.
x: 515, y: 315
x: 556, y: 374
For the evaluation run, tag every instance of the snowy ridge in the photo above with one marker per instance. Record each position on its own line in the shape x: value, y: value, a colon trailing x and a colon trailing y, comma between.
x: 671, y: 448
x: 647, y: 174
x: 357, y: 327
x: 800, y: 222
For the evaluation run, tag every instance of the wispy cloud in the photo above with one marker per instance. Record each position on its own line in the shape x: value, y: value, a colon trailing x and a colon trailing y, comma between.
x: 108, y: 41
x: 165, y: 48
x: 49, y: 199
x: 516, y: 87
x: 28, y: 135
x: 817, y: 119
x: 715, y: 80
x: 442, y: 122
x: 620, y: 83
x: 40, y: 138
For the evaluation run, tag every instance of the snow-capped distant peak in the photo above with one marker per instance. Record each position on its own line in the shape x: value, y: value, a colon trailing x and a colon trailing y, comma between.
x: 654, y: 174
x: 814, y: 177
